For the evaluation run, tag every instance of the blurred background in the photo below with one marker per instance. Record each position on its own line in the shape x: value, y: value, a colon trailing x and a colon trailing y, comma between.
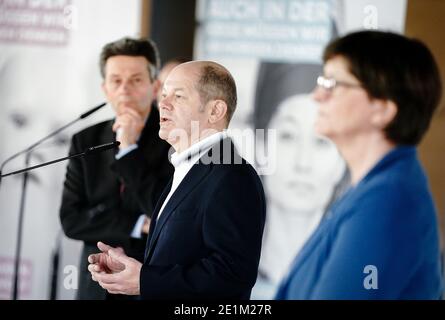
x: 49, y: 75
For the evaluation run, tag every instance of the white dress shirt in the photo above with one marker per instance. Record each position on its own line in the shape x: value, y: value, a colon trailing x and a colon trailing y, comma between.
x: 185, y: 160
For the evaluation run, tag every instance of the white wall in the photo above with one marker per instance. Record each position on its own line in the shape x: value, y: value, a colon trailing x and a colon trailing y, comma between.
x: 48, y: 84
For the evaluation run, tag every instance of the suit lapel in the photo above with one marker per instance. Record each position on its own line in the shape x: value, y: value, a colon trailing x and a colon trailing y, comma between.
x: 190, y: 181
x: 154, y: 217
x: 223, y: 152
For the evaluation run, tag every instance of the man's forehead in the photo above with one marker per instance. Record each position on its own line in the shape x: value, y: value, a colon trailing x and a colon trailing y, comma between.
x: 122, y: 62
x: 181, y: 79
x: 176, y: 86
x: 130, y: 73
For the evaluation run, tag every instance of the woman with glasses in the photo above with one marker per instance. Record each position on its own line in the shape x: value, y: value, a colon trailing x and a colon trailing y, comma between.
x: 380, y: 240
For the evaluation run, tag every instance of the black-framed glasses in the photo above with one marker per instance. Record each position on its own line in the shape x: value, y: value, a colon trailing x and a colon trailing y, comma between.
x: 329, y: 84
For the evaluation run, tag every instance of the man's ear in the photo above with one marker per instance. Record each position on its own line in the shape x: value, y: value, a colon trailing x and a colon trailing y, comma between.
x: 218, y: 111
x: 384, y: 113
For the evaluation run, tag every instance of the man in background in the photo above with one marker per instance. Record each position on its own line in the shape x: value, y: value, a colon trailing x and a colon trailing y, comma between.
x: 110, y: 196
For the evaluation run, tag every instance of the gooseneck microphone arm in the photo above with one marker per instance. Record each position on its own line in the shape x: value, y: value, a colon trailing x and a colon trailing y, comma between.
x: 87, y: 152
x: 82, y: 116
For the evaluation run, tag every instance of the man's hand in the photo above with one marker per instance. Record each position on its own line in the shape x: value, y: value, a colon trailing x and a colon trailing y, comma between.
x: 102, y: 262
x: 124, y: 275
x: 129, y: 125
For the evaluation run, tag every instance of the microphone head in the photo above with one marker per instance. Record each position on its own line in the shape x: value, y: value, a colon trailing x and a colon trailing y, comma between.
x: 102, y: 147
x: 93, y: 110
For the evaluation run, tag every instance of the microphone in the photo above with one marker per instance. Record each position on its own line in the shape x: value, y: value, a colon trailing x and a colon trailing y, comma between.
x: 101, y: 147
x: 82, y: 116
x: 86, y: 152
x: 93, y: 110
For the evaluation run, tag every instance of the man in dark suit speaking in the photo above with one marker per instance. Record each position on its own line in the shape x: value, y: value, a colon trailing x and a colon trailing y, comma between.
x: 205, y: 235
x: 111, y: 197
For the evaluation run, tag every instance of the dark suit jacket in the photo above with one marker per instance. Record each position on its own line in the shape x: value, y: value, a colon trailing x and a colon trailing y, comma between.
x: 207, y: 241
x: 103, y: 197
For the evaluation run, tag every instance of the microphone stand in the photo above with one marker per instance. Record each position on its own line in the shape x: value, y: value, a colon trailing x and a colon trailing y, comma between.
x: 55, y: 267
x: 87, y: 152
x: 27, y: 151
x: 18, y: 246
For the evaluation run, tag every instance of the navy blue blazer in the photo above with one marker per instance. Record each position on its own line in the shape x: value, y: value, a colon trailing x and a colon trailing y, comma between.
x: 380, y: 241
x: 207, y: 242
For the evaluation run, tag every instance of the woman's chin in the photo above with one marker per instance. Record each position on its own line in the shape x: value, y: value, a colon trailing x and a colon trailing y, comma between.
x: 322, y: 130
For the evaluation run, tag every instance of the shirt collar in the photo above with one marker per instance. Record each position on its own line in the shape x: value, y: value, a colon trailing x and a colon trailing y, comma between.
x: 197, y: 149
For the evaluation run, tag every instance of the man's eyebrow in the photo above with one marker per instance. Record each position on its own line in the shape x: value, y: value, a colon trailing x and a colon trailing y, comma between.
x: 175, y: 89
x: 137, y: 74
x: 180, y: 90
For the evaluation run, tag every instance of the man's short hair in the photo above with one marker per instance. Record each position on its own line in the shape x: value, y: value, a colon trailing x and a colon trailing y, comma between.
x: 393, y: 67
x: 216, y: 82
x: 135, y: 48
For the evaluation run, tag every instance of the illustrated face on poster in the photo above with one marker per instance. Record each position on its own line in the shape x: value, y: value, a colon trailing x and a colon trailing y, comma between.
x: 308, y: 165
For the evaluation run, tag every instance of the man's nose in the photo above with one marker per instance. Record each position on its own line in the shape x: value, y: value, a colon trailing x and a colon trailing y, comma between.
x: 165, y: 102
x: 125, y: 87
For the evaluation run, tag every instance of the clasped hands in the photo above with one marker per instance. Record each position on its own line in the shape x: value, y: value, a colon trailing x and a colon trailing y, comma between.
x: 115, y: 271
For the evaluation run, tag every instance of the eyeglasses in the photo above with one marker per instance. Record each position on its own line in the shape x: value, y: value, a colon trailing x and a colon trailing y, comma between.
x: 329, y: 84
